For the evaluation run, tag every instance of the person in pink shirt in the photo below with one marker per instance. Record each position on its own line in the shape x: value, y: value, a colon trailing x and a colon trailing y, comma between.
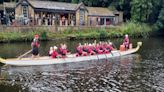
x: 54, y: 53
x: 126, y: 41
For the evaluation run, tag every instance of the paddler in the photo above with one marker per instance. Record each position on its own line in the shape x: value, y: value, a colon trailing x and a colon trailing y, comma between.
x: 98, y: 50
x: 101, y: 47
x: 106, y: 48
x: 126, y: 41
x: 110, y: 46
x: 90, y: 51
x: 54, y: 53
x: 85, y: 49
x: 79, y: 50
x: 63, y: 50
x: 50, y: 51
x: 35, y: 46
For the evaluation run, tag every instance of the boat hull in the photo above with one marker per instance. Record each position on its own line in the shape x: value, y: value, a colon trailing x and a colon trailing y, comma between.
x: 71, y: 58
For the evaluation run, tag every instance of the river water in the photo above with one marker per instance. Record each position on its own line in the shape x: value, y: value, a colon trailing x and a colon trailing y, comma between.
x: 139, y: 72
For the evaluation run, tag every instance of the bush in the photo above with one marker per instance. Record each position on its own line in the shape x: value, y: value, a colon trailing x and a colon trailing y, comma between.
x: 103, y: 34
x: 134, y: 29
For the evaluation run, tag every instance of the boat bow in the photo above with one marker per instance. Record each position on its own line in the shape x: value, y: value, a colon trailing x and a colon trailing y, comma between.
x: 139, y: 44
x: 2, y: 60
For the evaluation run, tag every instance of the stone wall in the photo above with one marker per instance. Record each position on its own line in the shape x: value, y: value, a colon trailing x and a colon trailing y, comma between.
x: 46, y: 28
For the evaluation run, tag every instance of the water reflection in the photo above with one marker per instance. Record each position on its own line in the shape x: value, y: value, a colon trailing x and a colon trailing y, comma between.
x: 142, y: 72
x: 97, y: 76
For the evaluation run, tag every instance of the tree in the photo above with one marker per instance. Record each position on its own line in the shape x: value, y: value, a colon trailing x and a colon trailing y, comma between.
x: 157, y: 6
x: 141, y: 10
x: 160, y: 21
x: 124, y: 5
x: 74, y: 1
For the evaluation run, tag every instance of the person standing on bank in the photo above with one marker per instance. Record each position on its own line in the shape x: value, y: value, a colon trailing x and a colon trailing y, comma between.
x: 35, y: 46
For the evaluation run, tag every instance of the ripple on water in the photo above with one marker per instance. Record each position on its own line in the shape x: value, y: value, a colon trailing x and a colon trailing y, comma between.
x: 114, y: 75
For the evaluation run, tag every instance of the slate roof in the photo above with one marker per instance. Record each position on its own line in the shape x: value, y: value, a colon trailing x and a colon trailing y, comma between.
x: 98, y: 11
x: 53, y: 5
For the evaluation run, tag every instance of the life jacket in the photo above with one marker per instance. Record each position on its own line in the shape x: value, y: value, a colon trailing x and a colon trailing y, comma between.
x: 126, y: 40
x: 89, y: 50
x: 92, y: 47
x: 79, y: 50
x: 98, y: 51
x: 101, y: 47
x: 50, y: 52
x: 35, y: 44
x: 110, y: 47
x: 85, y: 49
x: 54, y: 54
x: 63, y: 51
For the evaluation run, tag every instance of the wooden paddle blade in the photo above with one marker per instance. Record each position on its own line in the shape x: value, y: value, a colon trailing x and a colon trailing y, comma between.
x: 24, y: 54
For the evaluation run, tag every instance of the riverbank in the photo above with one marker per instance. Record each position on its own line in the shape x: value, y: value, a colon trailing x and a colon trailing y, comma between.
x: 135, y: 30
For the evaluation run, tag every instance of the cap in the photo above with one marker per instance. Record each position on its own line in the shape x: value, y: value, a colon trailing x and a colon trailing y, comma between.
x: 90, y: 44
x: 55, y: 47
x: 51, y: 48
x: 110, y: 43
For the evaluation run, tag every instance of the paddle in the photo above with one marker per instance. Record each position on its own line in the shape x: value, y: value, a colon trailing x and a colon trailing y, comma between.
x: 95, y: 42
x: 114, y: 47
x: 24, y: 54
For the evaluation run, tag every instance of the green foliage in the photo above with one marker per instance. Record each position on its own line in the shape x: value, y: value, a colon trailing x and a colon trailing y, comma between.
x: 141, y: 10
x: 103, y: 33
x: 74, y: 1
x: 160, y: 21
x: 9, y: 36
x: 136, y: 29
x: 124, y: 5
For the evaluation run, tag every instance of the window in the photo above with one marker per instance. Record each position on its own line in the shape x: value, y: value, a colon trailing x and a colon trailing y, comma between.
x: 25, y: 11
x: 100, y: 21
x: 108, y: 21
x: 82, y: 15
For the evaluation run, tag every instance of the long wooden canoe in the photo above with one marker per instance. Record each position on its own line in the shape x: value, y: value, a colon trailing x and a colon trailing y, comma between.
x: 71, y: 58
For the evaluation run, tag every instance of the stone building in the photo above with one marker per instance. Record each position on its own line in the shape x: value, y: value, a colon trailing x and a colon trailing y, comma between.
x: 103, y: 16
x: 36, y: 12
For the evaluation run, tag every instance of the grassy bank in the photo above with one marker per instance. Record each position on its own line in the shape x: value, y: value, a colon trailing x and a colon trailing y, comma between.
x: 13, y: 36
x: 134, y: 30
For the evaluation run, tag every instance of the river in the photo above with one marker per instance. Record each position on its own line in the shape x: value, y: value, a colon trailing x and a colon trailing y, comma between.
x: 139, y: 72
